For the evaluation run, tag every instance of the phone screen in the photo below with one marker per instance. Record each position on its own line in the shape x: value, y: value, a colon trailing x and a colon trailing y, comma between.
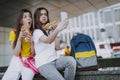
x: 63, y: 16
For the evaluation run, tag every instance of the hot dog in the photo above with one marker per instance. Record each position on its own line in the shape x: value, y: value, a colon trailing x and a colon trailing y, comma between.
x: 48, y: 25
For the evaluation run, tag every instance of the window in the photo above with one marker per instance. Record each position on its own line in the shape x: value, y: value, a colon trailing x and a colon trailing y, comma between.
x: 86, y: 20
x: 98, y: 34
x: 91, y: 20
x: 108, y: 16
x: 101, y: 17
x: 117, y: 15
x: 92, y: 36
x: 96, y: 18
x: 81, y: 19
x: 118, y: 27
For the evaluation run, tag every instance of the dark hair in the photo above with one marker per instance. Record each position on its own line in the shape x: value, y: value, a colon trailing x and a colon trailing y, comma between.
x: 20, y: 23
x: 37, y: 23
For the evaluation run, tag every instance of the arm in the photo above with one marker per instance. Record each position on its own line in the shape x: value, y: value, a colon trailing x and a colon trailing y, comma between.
x: 62, y: 25
x: 49, y: 39
x: 29, y: 38
x: 32, y: 49
x: 12, y: 37
x: 17, y: 48
x: 57, y: 44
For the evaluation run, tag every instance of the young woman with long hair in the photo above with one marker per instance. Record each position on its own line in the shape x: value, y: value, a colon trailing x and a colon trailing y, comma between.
x: 45, y: 43
x: 22, y: 45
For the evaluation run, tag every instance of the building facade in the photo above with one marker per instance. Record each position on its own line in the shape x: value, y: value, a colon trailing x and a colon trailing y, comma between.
x: 99, y: 25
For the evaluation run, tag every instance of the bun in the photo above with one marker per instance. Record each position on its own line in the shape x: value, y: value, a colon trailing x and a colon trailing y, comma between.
x: 48, y: 25
x: 24, y: 27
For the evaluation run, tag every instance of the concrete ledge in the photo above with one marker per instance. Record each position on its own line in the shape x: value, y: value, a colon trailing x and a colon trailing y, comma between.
x: 88, y: 75
x: 98, y: 75
x: 92, y: 75
x: 109, y: 62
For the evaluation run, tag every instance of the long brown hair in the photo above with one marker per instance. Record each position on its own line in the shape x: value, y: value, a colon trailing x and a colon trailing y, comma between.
x: 37, y: 23
x: 19, y: 24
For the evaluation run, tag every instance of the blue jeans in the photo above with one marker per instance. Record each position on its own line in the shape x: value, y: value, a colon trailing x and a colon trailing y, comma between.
x: 51, y: 70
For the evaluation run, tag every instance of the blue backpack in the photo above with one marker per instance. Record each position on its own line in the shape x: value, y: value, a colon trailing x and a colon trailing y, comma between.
x: 84, y: 51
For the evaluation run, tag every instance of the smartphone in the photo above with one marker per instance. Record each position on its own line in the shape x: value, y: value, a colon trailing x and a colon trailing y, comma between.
x: 63, y: 16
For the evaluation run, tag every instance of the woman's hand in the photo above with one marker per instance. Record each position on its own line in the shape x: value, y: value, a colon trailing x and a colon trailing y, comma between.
x: 28, y: 37
x: 62, y: 25
x: 53, y: 27
x: 22, y: 34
